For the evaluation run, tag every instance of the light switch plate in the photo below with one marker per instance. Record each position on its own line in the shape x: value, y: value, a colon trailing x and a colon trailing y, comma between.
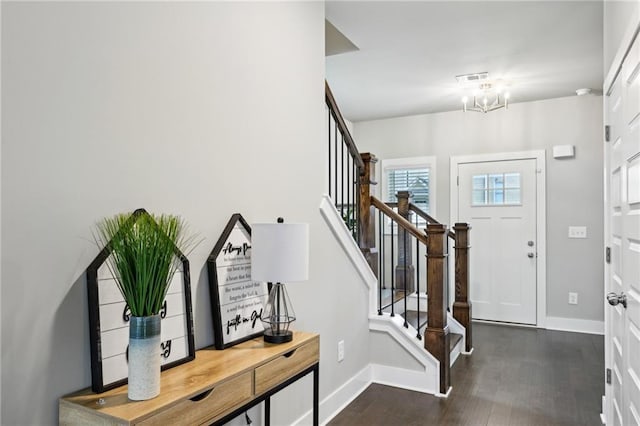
x: 573, y: 298
x: 577, y: 232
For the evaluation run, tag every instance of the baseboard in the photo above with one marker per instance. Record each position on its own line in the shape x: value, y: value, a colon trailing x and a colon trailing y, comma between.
x: 575, y: 325
x: 335, y: 402
x: 414, y: 380
x: 444, y: 395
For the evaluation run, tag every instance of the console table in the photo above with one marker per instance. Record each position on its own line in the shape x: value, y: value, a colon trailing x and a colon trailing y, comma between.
x: 212, y: 389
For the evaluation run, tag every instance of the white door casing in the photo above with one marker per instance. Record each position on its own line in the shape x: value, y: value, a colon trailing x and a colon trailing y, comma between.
x: 622, y: 237
x: 508, y: 245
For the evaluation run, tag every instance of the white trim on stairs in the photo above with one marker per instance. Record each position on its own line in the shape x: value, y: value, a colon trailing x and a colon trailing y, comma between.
x: 456, y: 327
x: 393, y: 326
x: 344, y: 237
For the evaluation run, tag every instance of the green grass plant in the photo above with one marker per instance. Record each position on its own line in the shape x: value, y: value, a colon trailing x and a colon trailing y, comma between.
x: 143, y: 256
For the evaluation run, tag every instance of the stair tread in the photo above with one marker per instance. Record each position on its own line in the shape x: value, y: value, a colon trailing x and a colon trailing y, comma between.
x: 414, y: 318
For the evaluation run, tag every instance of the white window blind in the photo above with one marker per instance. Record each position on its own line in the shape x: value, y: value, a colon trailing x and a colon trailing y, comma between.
x: 415, y: 180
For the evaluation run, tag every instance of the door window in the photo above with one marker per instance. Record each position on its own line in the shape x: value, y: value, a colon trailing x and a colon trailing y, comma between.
x: 496, y: 189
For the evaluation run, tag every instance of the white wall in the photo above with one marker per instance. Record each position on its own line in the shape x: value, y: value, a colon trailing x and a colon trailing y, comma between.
x: 574, y: 187
x: 199, y: 109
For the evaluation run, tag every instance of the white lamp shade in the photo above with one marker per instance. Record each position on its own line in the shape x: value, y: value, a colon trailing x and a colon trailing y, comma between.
x: 280, y: 252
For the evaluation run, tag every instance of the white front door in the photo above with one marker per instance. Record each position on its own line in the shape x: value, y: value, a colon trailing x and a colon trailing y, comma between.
x: 622, y: 234
x: 498, y: 200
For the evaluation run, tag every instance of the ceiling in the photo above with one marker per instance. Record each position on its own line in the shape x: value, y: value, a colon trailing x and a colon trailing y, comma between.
x: 410, y: 52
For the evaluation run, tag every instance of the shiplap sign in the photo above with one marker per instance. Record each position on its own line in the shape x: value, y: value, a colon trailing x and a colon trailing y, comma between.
x: 236, y: 301
x: 109, y: 323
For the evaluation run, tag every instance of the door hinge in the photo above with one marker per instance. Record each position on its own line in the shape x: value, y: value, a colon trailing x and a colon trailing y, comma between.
x: 607, y: 133
x: 608, y: 376
x: 607, y: 255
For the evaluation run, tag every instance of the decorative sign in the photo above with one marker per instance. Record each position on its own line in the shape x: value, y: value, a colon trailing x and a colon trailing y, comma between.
x: 109, y: 322
x: 236, y: 300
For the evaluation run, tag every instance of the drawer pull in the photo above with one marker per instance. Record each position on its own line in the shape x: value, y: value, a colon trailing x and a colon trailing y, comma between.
x: 202, y: 396
x: 291, y: 352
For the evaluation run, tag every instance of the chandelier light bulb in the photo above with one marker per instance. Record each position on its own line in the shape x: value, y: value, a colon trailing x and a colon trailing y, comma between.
x: 507, y: 95
x: 465, y: 99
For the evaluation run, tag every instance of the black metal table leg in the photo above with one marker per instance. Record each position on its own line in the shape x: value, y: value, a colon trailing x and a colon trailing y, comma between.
x: 267, y: 412
x: 316, y: 388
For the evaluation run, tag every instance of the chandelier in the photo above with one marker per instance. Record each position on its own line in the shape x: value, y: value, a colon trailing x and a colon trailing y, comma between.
x: 487, y: 94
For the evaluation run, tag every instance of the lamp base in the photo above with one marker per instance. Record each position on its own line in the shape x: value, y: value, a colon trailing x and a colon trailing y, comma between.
x: 283, y: 337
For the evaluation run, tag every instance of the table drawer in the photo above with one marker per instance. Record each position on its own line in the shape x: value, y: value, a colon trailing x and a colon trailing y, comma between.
x: 276, y: 371
x: 207, y: 405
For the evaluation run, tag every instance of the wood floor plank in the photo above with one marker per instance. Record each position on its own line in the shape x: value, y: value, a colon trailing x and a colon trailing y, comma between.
x: 515, y: 376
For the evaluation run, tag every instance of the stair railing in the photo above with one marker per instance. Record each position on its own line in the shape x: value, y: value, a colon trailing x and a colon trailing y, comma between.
x: 460, y: 238
x: 436, y: 333
x: 345, y: 166
x: 350, y: 180
x: 398, y: 271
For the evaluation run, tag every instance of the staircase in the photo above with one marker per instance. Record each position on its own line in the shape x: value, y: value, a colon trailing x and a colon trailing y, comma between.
x: 415, y: 302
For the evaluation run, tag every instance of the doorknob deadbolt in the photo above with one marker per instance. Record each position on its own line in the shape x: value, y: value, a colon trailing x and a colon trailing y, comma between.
x: 530, y: 243
x: 615, y: 299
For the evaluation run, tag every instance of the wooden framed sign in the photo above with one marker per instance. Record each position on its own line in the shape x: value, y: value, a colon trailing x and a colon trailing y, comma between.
x: 236, y: 300
x: 109, y: 322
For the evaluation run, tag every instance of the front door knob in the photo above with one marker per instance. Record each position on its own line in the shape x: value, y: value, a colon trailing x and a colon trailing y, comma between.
x: 530, y: 255
x: 615, y: 299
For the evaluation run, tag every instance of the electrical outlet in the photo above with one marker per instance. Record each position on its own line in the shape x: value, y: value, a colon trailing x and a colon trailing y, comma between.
x: 573, y: 298
x: 577, y: 232
x: 340, y: 350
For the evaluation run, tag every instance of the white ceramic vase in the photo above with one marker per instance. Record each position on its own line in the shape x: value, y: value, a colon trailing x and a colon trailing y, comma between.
x: 144, y: 357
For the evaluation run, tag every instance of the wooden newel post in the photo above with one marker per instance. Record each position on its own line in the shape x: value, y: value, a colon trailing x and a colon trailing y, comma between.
x: 436, y: 336
x: 462, y: 305
x: 366, y: 216
x: 404, y: 267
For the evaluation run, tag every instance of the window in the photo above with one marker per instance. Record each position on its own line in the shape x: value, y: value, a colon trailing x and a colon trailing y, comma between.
x: 496, y: 189
x: 414, y: 180
x: 416, y: 175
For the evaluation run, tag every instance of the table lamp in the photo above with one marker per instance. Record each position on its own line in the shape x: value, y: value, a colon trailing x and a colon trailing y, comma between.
x: 279, y: 254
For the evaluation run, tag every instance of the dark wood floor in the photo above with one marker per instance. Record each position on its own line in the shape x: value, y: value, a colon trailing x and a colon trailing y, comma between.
x: 515, y: 376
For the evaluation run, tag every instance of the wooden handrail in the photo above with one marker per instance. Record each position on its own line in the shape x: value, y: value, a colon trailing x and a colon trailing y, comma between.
x: 401, y: 221
x: 348, y: 140
x: 417, y: 210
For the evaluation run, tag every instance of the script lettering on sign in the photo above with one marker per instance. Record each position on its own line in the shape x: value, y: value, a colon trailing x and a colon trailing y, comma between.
x: 237, y: 297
